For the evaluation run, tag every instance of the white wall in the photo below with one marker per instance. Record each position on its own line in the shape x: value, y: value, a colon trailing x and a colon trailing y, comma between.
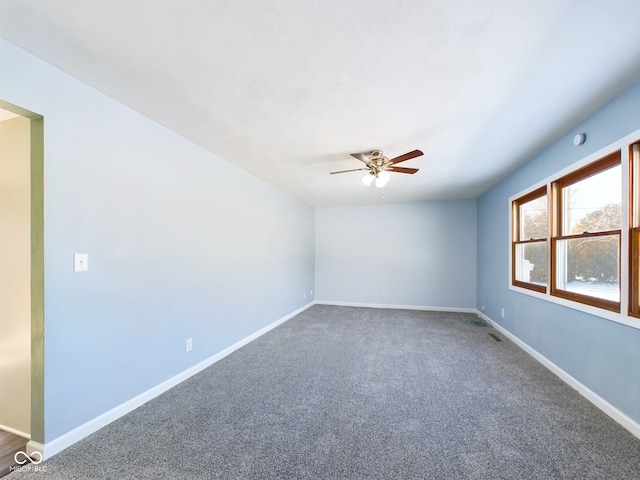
x: 421, y: 254
x: 15, y: 282
x: 181, y: 245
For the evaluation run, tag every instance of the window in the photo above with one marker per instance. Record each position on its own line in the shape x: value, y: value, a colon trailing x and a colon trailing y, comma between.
x: 585, y: 246
x: 530, y: 243
x: 575, y: 237
x: 567, y: 236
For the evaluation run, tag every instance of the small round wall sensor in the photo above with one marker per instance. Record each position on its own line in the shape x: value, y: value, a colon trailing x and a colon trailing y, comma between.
x: 579, y: 139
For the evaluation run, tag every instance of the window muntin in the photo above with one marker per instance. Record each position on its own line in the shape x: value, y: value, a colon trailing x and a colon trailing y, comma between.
x: 530, y: 241
x: 587, y: 234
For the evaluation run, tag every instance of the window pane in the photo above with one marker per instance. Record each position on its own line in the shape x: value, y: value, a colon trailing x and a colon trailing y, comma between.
x: 532, y: 260
x: 533, y: 219
x: 589, y: 266
x: 593, y: 204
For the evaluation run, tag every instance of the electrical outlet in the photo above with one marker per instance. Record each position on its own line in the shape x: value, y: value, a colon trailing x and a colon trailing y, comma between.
x: 304, y: 295
x: 312, y: 292
x: 189, y: 344
x: 502, y: 312
x: 483, y: 308
x: 384, y: 293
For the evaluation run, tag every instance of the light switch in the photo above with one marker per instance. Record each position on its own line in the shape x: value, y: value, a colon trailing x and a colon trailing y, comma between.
x: 80, y: 262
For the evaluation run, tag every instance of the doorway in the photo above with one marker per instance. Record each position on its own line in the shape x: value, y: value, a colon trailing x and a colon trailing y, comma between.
x: 22, y: 275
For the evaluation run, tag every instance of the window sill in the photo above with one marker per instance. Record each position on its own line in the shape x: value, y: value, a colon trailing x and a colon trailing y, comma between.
x: 599, y: 312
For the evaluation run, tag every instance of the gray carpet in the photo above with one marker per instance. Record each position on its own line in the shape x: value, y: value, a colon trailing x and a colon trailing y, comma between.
x: 340, y: 393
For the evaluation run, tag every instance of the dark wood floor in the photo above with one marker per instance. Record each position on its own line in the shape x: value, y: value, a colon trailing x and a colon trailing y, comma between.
x: 10, y: 444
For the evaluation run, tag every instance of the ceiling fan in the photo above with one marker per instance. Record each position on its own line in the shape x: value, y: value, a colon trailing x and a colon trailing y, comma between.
x: 379, y: 166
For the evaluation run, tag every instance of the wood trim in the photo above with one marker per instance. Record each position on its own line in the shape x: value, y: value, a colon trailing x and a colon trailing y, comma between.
x: 528, y: 197
x: 588, y: 300
x: 555, y: 222
x: 555, y: 210
x: 532, y: 240
x: 515, y: 236
x: 37, y: 280
x: 590, y: 170
x: 588, y: 235
x: 530, y: 286
x: 634, y: 271
x: 634, y: 188
x: 513, y: 263
x: 634, y: 230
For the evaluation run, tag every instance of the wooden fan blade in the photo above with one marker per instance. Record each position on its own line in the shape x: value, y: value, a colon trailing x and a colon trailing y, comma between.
x: 406, y: 156
x: 410, y: 171
x: 352, y: 170
x: 361, y: 157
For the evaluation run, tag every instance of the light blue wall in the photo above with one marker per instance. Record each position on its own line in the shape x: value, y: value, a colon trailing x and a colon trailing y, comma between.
x: 422, y: 254
x: 181, y: 244
x: 601, y: 354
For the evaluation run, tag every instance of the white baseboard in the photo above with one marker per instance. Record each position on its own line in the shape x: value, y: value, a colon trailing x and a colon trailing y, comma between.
x: 15, y: 431
x: 624, y: 420
x: 57, y: 445
x: 397, y: 307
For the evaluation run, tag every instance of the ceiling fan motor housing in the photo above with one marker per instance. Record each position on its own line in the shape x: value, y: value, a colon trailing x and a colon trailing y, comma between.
x: 376, y: 157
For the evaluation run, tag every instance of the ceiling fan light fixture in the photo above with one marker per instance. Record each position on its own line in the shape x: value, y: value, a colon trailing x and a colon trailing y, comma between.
x: 382, y: 178
x: 367, y: 179
x: 379, y: 167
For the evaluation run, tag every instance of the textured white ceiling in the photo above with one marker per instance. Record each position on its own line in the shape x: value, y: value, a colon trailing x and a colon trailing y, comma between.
x: 288, y: 89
